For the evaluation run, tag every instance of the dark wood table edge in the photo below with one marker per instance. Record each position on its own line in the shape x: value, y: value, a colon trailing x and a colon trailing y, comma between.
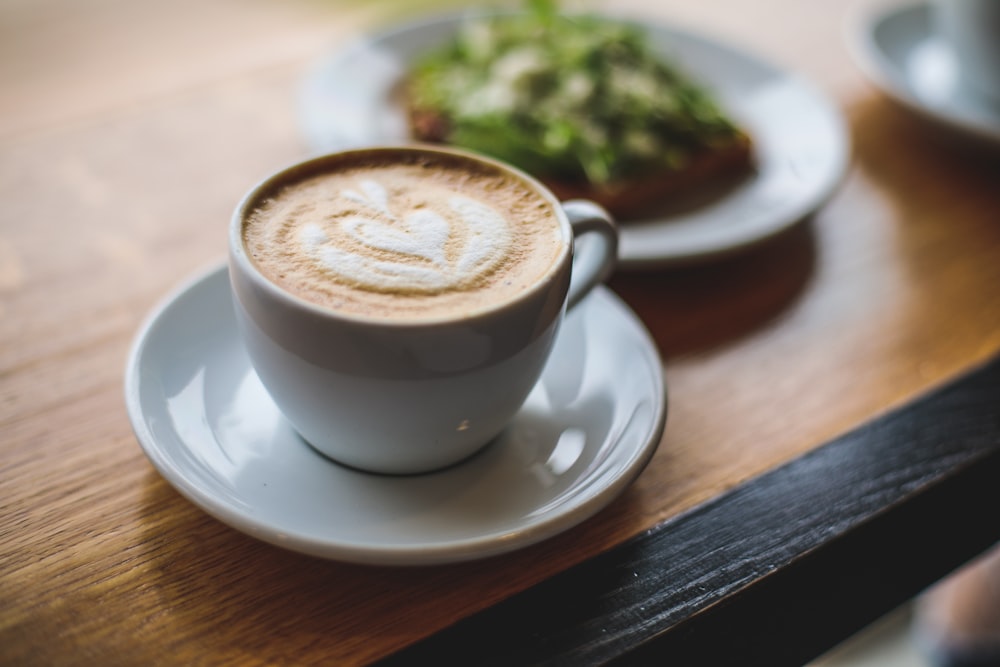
x: 779, y: 569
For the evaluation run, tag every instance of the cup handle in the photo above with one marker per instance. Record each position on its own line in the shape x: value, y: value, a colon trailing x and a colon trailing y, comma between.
x: 593, y: 261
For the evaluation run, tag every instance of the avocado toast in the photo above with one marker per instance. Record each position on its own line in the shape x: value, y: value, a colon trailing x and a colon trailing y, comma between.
x: 582, y: 103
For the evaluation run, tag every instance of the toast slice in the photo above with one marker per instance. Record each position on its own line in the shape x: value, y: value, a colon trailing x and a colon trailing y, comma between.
x: 707, y: 170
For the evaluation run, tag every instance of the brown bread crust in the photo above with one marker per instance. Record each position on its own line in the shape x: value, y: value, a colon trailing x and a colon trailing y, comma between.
x: 631, y: 198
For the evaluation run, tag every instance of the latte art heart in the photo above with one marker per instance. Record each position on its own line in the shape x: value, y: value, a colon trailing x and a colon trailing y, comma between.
x: 421, y: 251
x: 421, y: 234
x: 401, y: 234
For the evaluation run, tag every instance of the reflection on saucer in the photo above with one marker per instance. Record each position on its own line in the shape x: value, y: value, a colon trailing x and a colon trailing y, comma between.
x: 934, y: 72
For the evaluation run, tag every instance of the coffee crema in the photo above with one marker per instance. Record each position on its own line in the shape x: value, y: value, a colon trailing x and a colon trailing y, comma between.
x: 405, y: 235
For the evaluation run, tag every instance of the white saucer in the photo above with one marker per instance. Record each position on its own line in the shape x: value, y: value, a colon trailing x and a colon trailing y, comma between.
x: 207, y: 424
x: 352, y: 99
x: 896, y: 48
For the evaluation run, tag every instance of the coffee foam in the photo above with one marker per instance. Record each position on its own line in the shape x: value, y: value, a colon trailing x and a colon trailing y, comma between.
x: 405, y: 237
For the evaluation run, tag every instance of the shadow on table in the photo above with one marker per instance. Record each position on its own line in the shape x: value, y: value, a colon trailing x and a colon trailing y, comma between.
x: 250, y: 602
x: 940, y: 185
x: 923, y: 159
x: 892, y: 133
x: 697, y: 308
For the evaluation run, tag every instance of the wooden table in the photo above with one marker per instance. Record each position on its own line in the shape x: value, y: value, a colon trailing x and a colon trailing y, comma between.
x: 833, y: 439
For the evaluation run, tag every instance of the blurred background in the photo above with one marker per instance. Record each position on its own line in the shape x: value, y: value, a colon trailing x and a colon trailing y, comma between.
x: 231, y: 99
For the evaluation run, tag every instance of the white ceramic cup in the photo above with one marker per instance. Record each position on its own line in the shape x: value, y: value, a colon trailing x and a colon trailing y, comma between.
x: 971, y: 29
x: 408, y: 397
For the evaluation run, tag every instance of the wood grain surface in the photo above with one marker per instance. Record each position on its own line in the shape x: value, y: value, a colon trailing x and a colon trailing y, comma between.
x: 776, y: 571
x: 128, y: 130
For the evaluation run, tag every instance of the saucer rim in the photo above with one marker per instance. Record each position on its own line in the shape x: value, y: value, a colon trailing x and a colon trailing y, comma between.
x: 889, y: 77
x: 486, y: 545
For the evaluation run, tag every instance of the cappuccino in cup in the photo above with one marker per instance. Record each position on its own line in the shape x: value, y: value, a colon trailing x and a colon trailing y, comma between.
x: 405, y: 236
x: 400, y: 303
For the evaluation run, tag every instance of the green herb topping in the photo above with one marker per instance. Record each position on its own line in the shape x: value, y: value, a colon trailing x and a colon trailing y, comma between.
x: 575, y: 97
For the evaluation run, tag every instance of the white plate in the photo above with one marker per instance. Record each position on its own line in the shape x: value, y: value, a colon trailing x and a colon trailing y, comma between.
x: 351, y: 99
x: 207, y: 424
x: 896, y: 48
